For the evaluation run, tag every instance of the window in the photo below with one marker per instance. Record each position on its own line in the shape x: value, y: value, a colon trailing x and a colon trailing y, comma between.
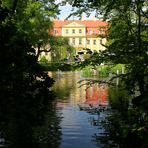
x: 80, y: 30
x: 55, y: 31
x: 73, y: 41
x: 73, y: 30
x: 94, y: 42
x: 80, y: 41
x: 66, y: 31
x: 88, y: 41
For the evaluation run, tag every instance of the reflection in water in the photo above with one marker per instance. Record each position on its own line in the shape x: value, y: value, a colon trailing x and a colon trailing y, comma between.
x: 82, y: 108
x: 76, y: 114
x: 96, y: 94
x: 23, y: 132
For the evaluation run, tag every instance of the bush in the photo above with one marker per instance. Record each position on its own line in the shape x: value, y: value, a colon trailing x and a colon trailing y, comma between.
x: 87, y: 71
x: 103, y: 71
x: 117, y: 67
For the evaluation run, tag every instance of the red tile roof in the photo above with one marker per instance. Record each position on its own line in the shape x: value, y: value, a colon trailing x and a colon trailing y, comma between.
x: 93, y: 23
x: 87, y: 23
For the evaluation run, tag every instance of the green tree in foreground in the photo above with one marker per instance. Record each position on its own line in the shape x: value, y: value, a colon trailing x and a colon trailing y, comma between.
x: 24, y: 86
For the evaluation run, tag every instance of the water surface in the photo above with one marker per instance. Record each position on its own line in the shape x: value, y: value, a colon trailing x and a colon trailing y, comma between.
x: 79, y: 124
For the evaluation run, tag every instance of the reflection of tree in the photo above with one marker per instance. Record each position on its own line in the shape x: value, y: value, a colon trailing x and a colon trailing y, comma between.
x: 49, y: 135
x: 22, y: 129
x: 65, y: 84
x: 115, y: 123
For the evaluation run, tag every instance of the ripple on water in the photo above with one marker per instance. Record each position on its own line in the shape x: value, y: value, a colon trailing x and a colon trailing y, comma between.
x: 76, y: 129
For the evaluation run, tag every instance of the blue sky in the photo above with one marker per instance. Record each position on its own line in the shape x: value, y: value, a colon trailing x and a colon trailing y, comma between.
x: 66, y: 10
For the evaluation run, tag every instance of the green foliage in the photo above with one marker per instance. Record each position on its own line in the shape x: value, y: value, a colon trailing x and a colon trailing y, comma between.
x: 103, y: 71
x: 127, y: 37
x: 125, y: 125
x: 87, y: 71
x: 119, y: 99
x: 127, y: 44
x: 50, y: 66
x: 118, y: 67
x: 62, y: 54
x: 43, y: 60
x: 24, y: 85
x: 61, y: 50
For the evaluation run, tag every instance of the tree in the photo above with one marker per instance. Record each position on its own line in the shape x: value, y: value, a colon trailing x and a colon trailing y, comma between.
x: 127, y: 44
x: 127, y: 39
x: 24, y: 86
x: 60, y: 49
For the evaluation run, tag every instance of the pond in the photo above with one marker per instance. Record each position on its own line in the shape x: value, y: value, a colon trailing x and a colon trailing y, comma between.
x: 81, y: 107
x: 71, y: 120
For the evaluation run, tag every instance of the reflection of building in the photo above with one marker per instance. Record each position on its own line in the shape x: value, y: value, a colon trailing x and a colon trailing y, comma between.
x: 67, y: 86
x: 82, y: 34
x: 96, y: 94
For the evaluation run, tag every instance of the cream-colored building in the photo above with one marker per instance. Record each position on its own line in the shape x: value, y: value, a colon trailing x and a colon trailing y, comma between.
x: 82, y: 34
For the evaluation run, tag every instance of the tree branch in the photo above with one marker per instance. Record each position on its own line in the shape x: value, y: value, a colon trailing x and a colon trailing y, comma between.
x: 144, y: 14
x: 103, y: 44
x: 39, y: 51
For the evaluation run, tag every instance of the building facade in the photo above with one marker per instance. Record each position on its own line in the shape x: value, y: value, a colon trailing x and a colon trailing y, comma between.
x: 82, y: 34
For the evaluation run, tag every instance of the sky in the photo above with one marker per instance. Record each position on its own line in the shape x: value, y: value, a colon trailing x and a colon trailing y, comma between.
x: 66, y: 10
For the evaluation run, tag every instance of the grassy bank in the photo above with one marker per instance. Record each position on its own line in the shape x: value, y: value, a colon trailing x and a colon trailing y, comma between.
x: 102, y: 70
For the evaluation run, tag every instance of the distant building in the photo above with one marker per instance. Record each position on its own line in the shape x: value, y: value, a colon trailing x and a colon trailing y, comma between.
x: 82, y: 34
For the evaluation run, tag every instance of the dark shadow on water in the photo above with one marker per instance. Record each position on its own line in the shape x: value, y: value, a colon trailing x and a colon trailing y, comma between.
x: 30, y: 127
x: 28, y: 119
